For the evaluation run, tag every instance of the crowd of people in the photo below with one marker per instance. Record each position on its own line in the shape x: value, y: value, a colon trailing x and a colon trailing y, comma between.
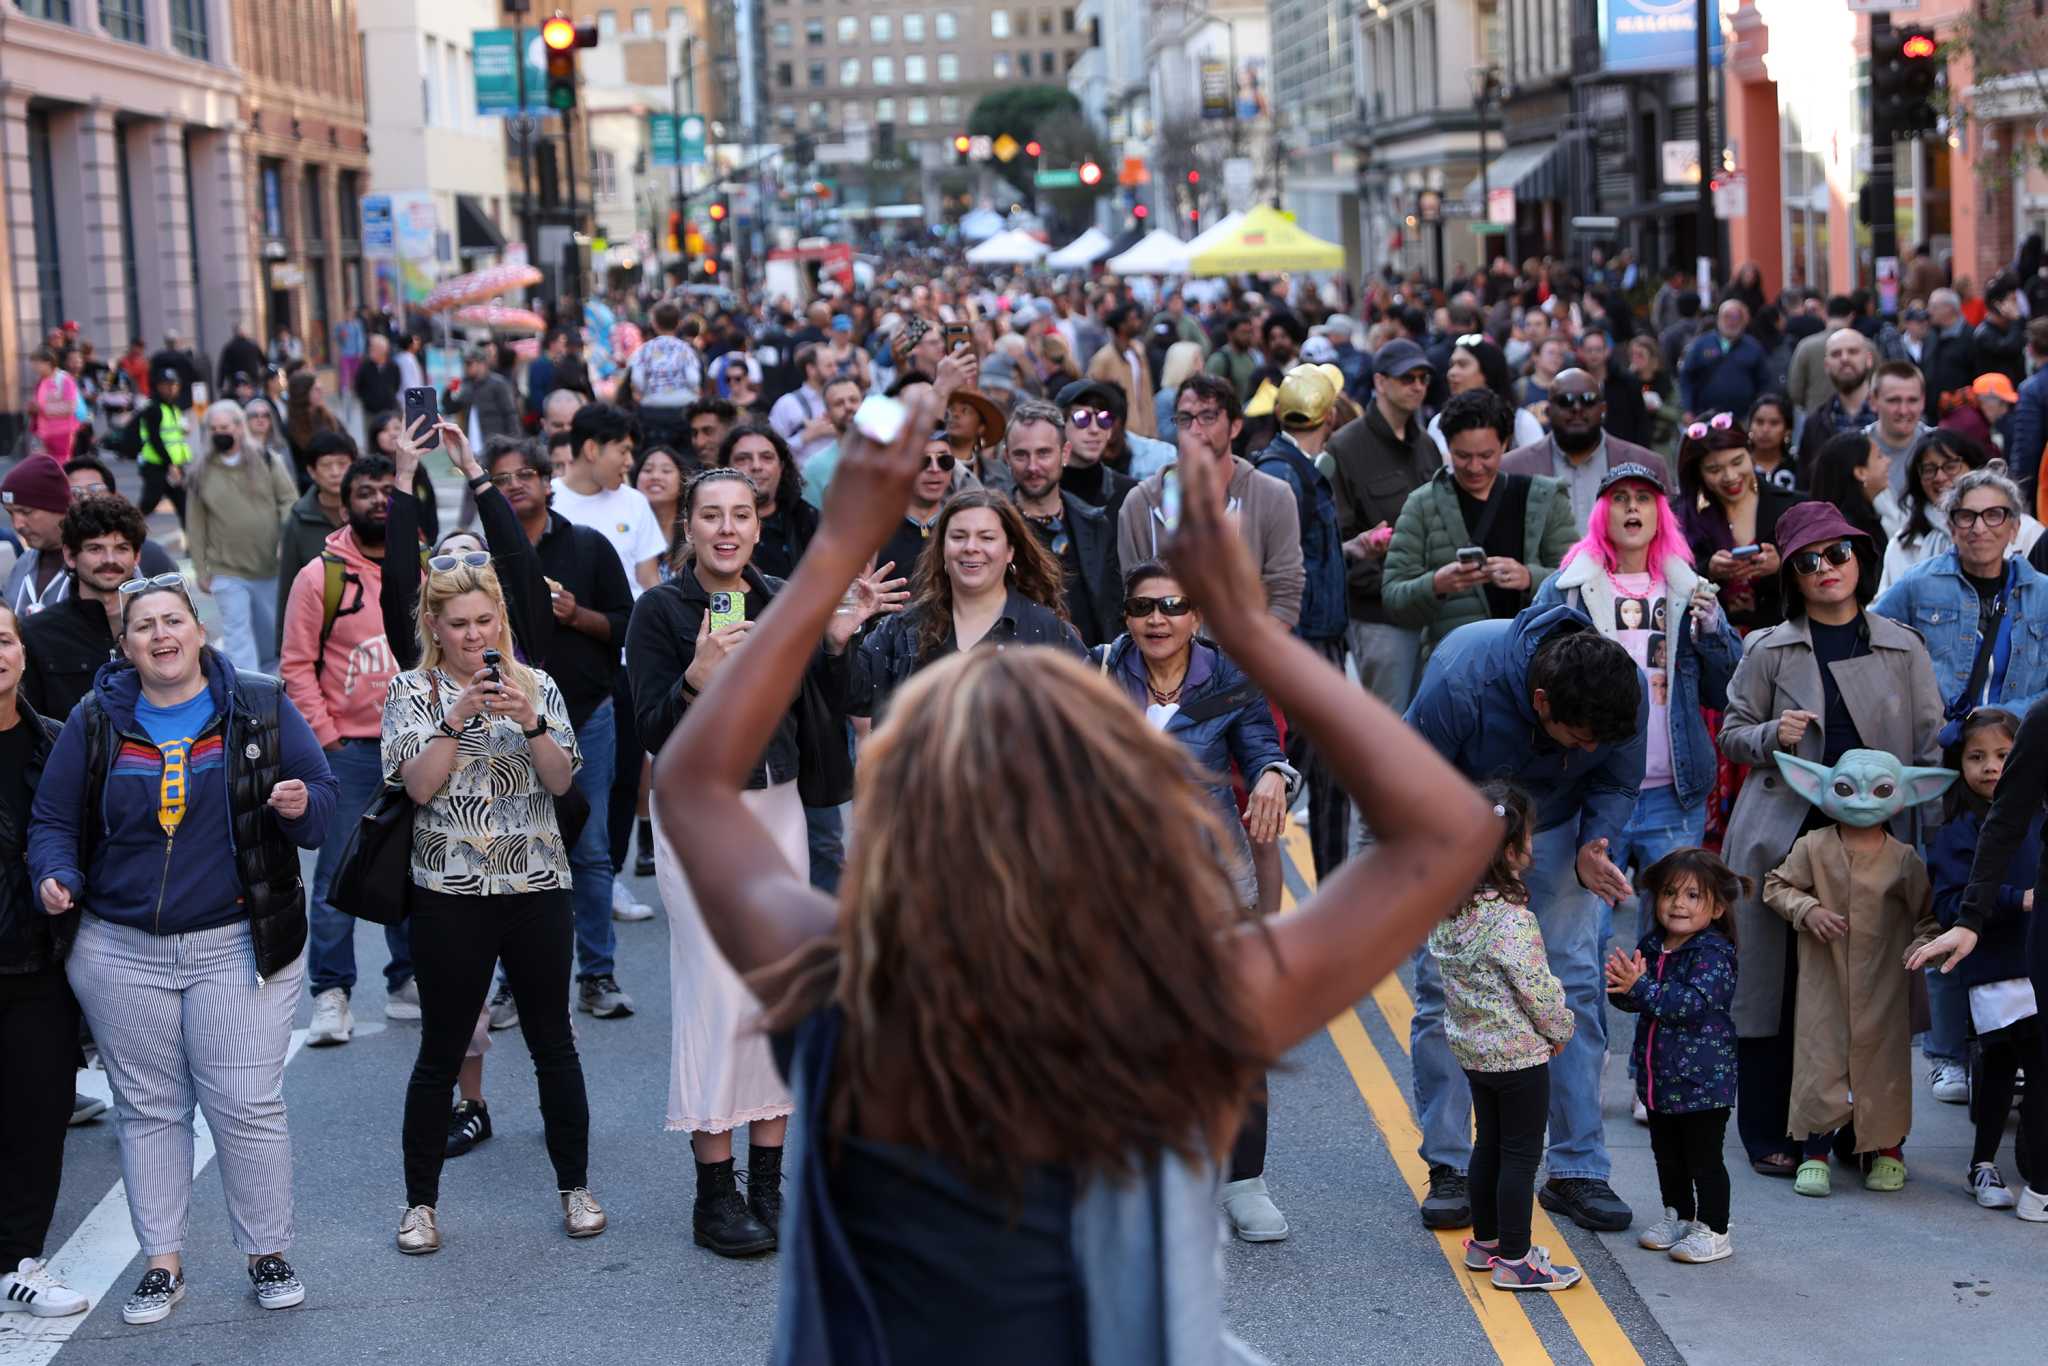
x: 1554, y: 597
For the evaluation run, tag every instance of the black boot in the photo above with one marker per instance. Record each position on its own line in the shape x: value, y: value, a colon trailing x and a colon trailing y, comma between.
x: 644, y: 865
x: 764, y: 1185
x: 721, y: 1219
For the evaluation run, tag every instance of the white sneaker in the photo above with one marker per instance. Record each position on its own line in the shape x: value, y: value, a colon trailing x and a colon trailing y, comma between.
x: 404, y: 1003
x: 1253, y: 1215
x: 1989, y: 1187
x: 31, y: 1289
x: 1666, y: 1233
x: 2033, y: 1206
x: 1701, y: 1244
x: 623, y: 905
x: 1638, y: 1111
x: 332, y: 1022
x: 1951, y: 1084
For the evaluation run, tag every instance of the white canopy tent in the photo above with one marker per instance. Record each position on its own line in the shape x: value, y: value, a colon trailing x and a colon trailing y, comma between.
x: 980, y: 225
x: 1158, y: 253
x: 1214, y: 233
x: 1084, y: 250
x: 1012, y: 248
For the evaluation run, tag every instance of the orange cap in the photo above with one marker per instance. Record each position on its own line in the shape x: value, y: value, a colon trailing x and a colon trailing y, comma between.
x: 1996, y: 385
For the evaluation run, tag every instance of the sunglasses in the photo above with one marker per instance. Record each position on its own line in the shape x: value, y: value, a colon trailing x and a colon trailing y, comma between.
x: 1962, y: 519
x: 474, y: 559
x: 1471, y: 339
x: 1720, y: 422
x: 1207, y: 417
x: 1085, y: 418
x: 1576, y: 401
x: 1415, y: 377
x: 1139, y: 608
x: 1807, y: 562
x: 941, y: 462
x: 511, y: 477
x: 172, y: 581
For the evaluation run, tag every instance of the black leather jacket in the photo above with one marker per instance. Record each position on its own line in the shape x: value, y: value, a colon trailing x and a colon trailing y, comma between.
x: 30, y: 939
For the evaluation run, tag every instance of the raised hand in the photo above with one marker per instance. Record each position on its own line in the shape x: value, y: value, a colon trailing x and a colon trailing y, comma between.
x: 1206, y: 553
x: 871, y: 486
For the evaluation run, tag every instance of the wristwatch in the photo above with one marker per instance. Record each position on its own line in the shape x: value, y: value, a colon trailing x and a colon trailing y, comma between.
x: 448, y: 730
x: 540, y: 728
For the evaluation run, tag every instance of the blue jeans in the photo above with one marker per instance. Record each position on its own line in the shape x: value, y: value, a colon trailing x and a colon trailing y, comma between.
x: 1948, y: 1014
x: 1567, y: 915
x: 590, y: 862
x: 358, y: 765
x: 1657, y: 826
x: 826, y: 829
x: 248, y: 621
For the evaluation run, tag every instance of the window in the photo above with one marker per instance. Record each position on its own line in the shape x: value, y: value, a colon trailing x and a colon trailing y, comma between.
x: 814, y: 32
x: 849, y: 71
x: 781, y: 34
x: 885, y: 111
x: 1046, y: 63
x: 949, y: 67
x: 785, y: 114
x: 272, y: 178
x: 1000, y: 68
x: 314, y: 222
x: 349, y: 202
x: 607, y: 25
x: 42, y: 193
x: 999, y: 23
x: 643, y: 22
x: 913, y: 70
x: 949, y: 108
x: 849, y: 29
x: 123, y: 19
x: 188, y: 28
x: 880, y: 29
x: 944, y: 25
x: 1066, y: 21
x: 673, y: 20
x: 1044, y: 22
x: 920, y: 110
x: 815, y: 111
x: 785, y: 75
x: 604, y: 173
x: 60, y: 11
x: 883, y: 70
x: 814, y: 74
x: 1024, y: 64
x: 913, y: 28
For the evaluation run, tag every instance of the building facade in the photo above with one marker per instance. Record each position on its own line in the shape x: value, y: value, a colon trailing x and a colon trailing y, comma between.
x: 1317, y: 117
x: 123, y: 165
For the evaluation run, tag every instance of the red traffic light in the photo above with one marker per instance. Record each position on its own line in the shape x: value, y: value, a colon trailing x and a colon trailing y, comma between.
x: 1919, y: 47
x: 1194, y: 177
x: 1032, y: 149
x: 961, y: 143
x: 559, y: 33
x: 1091, y: 174
x: 711, y: 265
x: 717, y: 212
x: 1139, y: 211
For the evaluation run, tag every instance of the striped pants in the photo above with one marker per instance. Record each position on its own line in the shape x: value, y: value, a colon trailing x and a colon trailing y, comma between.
x: 181, y: 1021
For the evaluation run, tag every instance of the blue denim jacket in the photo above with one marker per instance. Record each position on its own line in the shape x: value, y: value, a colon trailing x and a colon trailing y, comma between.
x: 1937, y: 601
x: 1324, y: 611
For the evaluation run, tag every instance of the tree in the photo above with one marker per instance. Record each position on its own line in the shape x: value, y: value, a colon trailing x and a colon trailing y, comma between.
x: 1048, y: 114
x: 1997, y: 60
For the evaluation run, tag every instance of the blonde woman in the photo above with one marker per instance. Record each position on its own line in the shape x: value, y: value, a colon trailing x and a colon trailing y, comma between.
x: 1183, y: 358
x: 483, y: 744
x: 237, y: 497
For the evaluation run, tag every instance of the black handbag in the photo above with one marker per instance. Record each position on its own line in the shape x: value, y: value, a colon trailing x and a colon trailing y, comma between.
x: 373, y: 877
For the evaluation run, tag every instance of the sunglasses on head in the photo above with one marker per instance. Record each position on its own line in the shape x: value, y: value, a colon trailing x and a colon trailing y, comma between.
x: 1175, y: 606
x: 172, y: 581
x: 1807, y: 562
x: 1471, y: 339
x: 1092, y: 417
x: 943, y: 462
x: 442, y: 564
x: 1720, y: 422
x: 1569, y: 401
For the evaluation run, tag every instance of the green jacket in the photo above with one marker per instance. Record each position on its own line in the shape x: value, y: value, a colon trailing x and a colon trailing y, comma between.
x: 1427, y: 536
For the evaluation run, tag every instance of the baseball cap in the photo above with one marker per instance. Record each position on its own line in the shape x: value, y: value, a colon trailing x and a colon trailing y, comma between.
x: 1318, y: 349
x: 1628, y: 470
x: 1996, y: 385
x: 1400, y: 357
x: 1306, y: 397
x: 842, y: 323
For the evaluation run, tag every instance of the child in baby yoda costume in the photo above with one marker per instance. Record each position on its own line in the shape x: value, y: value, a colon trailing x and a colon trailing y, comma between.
x: 1862, y: 902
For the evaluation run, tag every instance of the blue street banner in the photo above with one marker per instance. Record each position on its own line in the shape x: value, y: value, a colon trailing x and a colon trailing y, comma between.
x: 1653, y: 35
x: 661, y: 141
x: 496, y: 72
x: 690, y: 129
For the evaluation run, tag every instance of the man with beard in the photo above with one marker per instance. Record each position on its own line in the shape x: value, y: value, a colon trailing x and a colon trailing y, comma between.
x: 1725, y: 369
x: 1627, y: 418
x: 708, y: 420
x: 336, y: 664
x: 1075, y: 531
x: 1807, y: 381
x: 1235, y: 360
x: 1849, y: 359
x: 1097, y: 459
x: 1121, y: 362
x: 69, y: 640
x: 1579, y: 452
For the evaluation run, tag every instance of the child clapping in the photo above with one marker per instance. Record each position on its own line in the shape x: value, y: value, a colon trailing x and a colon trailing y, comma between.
x: 1681, y: 981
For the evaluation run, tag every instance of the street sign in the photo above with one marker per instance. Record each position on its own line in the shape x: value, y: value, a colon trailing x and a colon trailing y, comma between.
x: 376, y: 225
x: 1682, y: 161
x: 1007, y: 147
x: 1500, y: 206
x: 662, y: 148
x: 495, y: 71
x: 690, y: 131
x: 1057, y: 180
x: 980, y: 147
x: 1134, y: 172
x: 1731, y: 196
x: 1215, y: 77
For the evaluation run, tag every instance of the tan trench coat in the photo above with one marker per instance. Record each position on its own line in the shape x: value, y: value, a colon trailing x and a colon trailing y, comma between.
x: 1854, y: 1036
x: 1891, y: 695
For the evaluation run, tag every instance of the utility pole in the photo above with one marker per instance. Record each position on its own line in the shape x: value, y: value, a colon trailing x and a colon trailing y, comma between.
x: 572, y: 254
x: 1708, y: 229
x: 523, y: 125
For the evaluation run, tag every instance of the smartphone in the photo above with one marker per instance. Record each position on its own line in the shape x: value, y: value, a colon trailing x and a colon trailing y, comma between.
x: 492, y: 661
x: 1471, y: 556
x: 1746, y: 552
x: 423, y: 402
x: 727, y: 608
x: 1169, y: 501
x: 957, y: 335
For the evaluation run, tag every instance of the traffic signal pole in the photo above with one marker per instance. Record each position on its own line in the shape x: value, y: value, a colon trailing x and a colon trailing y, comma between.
x: 1884, y: 210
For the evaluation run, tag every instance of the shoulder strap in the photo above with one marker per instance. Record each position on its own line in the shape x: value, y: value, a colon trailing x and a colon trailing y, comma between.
x: 333, y: 583
x: 1304, y: 493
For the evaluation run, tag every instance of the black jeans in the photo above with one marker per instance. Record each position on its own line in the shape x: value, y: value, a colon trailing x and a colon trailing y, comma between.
x: 1690, y: 1173
x: 455, y: 942
x: 1509, y: 1110
x: 38, y: 1056
x: 1329, y: 806
x: 1248, y: 1150
x: 156, y: 486
x: 1763, y: 1073
x: 2005, y: 1052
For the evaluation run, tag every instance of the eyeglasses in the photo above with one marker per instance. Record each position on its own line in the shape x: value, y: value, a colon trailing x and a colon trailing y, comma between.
x: 1962, y: 519
x: 941, y: 462
x: 174, y: 581
x: 1950, y: 467
x: 1206, y: 417
x: 1085, y: 418
x: 1579, y: 401
x: 1807, y: 562
x: 1720, y: 422
x: 474, y: 559
x: 511, y: 477
x: 1139, y: 608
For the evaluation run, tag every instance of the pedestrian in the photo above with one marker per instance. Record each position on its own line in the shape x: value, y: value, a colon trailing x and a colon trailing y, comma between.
x: 660, y: 472
x: 1933, y: 469
x: 37, y: 497
x: 2003, y: 1009
x: 306, y: 416
x: 236, y: 501
x: 1853, y: 474
x: 377, y: 382
x: 1579, y: 450
x: 720, y: 1075
x: 1035, y: 448
x: 188, y: 952
x: 164, y: 447
x: 1505, y: 1018
x: 1476, y: 363
x: 382, y: 434
x: 787, y: 521
x: 1726, y: 368
x: 483, y: 746
x: 1070, y: 965
x: 1679, y: 983
x: 55, y: 419
x: 318, y: 514
x: 1769, y: 427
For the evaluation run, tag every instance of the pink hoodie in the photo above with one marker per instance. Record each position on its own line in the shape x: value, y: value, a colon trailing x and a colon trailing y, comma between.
x: 345, y: 700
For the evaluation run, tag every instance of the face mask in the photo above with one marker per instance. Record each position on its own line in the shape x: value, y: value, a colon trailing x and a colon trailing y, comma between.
x: 224, y: 442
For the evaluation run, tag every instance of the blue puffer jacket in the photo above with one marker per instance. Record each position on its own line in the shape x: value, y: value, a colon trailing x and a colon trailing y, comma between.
x: 2001, y: 952
x: 1935, y: 599
x: 1685, y: 1041
x: 1324, y: 613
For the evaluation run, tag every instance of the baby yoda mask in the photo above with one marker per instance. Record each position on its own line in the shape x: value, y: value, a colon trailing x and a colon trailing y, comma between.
x: 1866, y: 787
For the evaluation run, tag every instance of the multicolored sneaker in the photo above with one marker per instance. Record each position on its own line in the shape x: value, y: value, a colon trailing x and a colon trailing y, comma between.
x: 1479, y: 1256
x: 1534, y: 1272
x: 153, y: 1296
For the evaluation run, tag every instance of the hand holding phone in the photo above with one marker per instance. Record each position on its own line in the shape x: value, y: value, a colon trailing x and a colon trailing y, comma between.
x: 1471, y: 557
x: 727, y: 609
x: 423, y: 402
x: 1747, y: 552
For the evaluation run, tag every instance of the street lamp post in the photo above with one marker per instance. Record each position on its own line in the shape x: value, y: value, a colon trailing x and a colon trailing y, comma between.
x: 1485, y: 83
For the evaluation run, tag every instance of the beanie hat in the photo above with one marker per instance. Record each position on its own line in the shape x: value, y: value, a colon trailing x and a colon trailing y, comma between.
x: 37, y: 482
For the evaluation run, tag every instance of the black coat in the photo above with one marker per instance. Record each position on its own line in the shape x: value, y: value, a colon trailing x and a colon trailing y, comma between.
x: 30, y: 939
x: 66, y: 644
x: 1095, y: 600
x: 889, y: 654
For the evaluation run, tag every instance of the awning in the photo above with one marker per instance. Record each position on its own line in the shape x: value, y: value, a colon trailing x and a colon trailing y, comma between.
x: 1534, y: 170
x: 476, y: 234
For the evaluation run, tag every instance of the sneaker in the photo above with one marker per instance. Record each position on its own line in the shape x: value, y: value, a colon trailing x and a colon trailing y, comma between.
x: 1951, y: 1084
x: 85, y: 1109
x: 1479, y: 1256
x: 468, y: 1125
x: 332, y: 1023
x: 404, y: 1003
x: 1253, y: 1215
x: 31, y: 1289
x: 1989, y: 1187
x: 153, y: 1296
x: 625, y: 908
x: 1533, y: 1272
x: 277, y: 1285
x: 1702, y: 1245
x: 504, y: 1010
x: 1638, y: 1111
x: 1586, y: 1201
x: 1449, y: 1202
x: 582, y: 1216
x: 1666, y: 1233
x: 418, y: 1232
x: 2033, y: 1206
x: 600, y: 996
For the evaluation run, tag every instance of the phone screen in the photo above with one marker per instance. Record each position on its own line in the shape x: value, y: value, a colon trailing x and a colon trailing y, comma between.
x: 727, y: 608
x: 1744, y: 552
x: 1471, y: 556
x: 957, y: 335
x: 423, y: 402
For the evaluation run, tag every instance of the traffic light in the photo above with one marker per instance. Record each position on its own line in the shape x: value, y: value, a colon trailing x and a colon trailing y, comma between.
x: 675, y: 232
x: 1032, y: 148
x: 1139, y: 211
x: 1091, y: 174
x: 562, y: 36
x: 1905, y: 65
x: 961, y: 142
x: 717, y: 211
x: 1194, y: 177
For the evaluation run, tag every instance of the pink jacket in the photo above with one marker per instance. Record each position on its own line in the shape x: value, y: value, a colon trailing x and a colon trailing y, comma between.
x: 344, y: 698
x: 55, y: 420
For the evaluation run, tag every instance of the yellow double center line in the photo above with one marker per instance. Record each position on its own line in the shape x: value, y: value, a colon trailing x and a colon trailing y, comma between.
x: 1502, y: 1316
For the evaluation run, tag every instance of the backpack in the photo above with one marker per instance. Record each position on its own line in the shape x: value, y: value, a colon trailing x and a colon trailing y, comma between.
x: 335, y: 579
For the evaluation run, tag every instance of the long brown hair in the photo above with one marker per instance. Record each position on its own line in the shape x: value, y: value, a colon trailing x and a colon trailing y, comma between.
x: 1034, y: 571
x: 1064, y: 994
x: 304, y: 419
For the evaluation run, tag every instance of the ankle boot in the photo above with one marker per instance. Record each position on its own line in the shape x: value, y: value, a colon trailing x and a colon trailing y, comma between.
x: 764, y: 1185
x: 721, y: 1220
x: 643, y: 866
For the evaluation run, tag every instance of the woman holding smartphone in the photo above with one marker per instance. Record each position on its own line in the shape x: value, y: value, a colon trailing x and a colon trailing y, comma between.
x: 1730, y: 514
x: 682, y: 634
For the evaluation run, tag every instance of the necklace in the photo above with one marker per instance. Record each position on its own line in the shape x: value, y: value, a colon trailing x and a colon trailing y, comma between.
x: 1166, y: 696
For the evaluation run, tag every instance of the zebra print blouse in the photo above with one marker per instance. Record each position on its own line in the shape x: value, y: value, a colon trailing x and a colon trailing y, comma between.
x: 491, y: 828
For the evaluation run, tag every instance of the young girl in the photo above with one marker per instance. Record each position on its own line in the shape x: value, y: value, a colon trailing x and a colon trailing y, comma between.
x: 1505, y: 1017
x: 2002, y: 1005
x: 1681, y: 981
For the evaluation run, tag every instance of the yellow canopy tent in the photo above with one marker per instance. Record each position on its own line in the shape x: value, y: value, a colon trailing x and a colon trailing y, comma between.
x: 1267, y: 240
